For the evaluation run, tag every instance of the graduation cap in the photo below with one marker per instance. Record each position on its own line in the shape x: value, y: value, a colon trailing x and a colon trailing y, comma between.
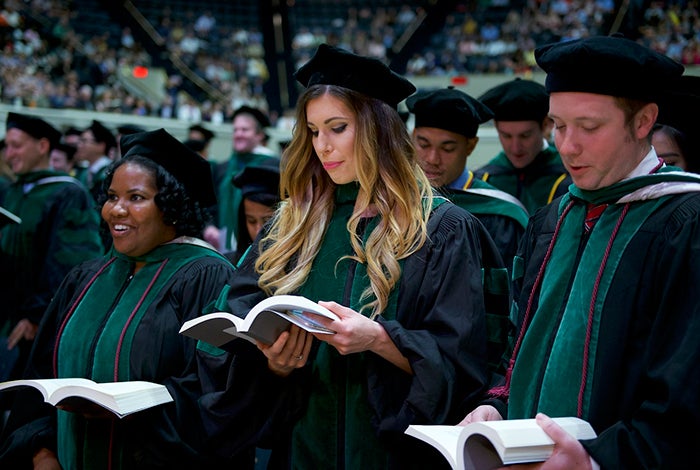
x: 72, y: 131
x: 517, y: 100
x: 68, y: 149
x: 260, y: 181
x: 678, y: 109
x: 448, y: 109
x: 197, y: 145
x: 370, y: 76
x: 207, y: 135
x: 102, y: 134
x: 259, y: 116
x: 34, y: 126
x: 126, y: 129
x: 607, y: 65
x: 185, y: 165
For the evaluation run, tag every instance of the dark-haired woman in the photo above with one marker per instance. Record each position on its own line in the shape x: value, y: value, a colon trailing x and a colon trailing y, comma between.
x: 117, y: 318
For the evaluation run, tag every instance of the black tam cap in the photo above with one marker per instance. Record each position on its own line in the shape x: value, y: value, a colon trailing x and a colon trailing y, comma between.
x: 34, y: 126
x: 68, y: 149
x: 260, y: 181
x: 102, y: 134
x: 334, y: 66
x: 207, y: 135
x: 126, y: 129
x: 259, y: 116
x: 448, y: 109
x: 185, y: 165
x: 607, y: 65
x: 517, y: 100
x: 679, y: 107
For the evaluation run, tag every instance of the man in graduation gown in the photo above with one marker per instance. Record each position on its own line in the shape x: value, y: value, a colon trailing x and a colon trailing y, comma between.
x: 607, y: 274
x: 528, y: 167
x: 59, y: 228
x: 95, y: 147
x: 248, y: 149
x: 446, y: 124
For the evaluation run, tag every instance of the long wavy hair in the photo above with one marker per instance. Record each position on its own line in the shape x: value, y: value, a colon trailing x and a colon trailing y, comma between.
x: 391, y: 185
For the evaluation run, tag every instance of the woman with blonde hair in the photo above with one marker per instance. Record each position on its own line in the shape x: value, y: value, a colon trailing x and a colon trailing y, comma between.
x: 360, y: 231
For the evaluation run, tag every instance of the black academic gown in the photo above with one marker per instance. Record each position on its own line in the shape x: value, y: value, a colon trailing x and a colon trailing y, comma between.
x: 438, y: 325
x: 643, y: 389
x: 167, y: 436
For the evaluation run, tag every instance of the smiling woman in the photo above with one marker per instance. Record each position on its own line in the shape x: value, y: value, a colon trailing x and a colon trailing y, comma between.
x: 118, y: 318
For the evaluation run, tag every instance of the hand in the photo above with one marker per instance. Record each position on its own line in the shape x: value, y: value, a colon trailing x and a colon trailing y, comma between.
x: 289, y: 352
x: 353, y: 332
x: 482, y: 413
x: 45, y: 459
x: 568, y: 452
x: 356, y: 333
x: 24, y: 329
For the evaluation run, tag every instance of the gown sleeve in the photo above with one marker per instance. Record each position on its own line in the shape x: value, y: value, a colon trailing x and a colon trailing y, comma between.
x: 440, y: 327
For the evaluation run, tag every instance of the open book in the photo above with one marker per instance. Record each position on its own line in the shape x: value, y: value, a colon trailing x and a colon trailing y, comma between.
x: 490, y: 444
x: 7, y: 217
x: 264, y: 323
x: 121, y: 398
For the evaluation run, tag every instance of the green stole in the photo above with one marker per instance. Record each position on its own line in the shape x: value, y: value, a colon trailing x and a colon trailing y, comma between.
x: 542, y: 177
x: 557, y: 394
x: 96, y: 340
x: 481, y: 204
x: 338, y: 399
x: 229, y: 196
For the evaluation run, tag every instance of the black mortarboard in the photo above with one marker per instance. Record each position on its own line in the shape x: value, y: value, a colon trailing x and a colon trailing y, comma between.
x: 185, y: 165
x: 517, y: 100
x: 34, y: 126
x: 679, y: 107
x: 68, y: 149
x: 607, y: 65
x: 370, y: 76
x: 259, y: 116
x: 196, y: 145
x: 72, y: 131
x: 126, y: 129
x: 102, y: 134
x: 206, y: 133
x: 448, y: 109
x: 260, y: 181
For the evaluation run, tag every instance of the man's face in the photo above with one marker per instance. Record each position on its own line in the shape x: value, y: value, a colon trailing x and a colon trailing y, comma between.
x: 522, y: 141
x: 442, y: 154
x: 24, y: 153
x: 246, y: 134
x: 597, y: 147
x: 89, y: 149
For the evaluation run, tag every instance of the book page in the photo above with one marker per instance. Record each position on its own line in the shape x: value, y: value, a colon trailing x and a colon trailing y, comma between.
x: 216, y: 328
x: 443, y: 438
x: 304, y: 320
x: 292, y: 302
x: 122, y: 398
x: 47, y: 387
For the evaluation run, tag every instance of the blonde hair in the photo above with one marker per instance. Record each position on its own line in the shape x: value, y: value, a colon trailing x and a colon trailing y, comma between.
x: 390, y: 181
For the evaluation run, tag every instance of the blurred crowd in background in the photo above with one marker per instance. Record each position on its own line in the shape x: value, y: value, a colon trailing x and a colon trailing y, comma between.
x: 47, y: 62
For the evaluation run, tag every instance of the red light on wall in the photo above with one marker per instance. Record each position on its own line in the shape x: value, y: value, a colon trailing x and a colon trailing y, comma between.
x: 459, y: 80
x: 140, y: 71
